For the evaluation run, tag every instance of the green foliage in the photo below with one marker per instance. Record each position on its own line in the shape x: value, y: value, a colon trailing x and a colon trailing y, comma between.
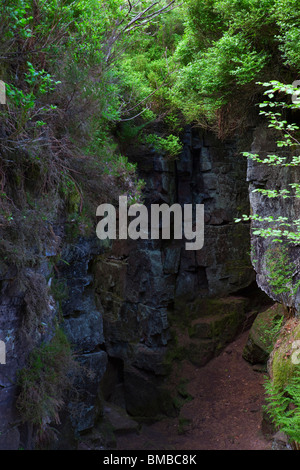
x: 43, y: 383
x: 269, y: 330
x: 227, y: 45
x: 76, y: 78
x: 284, y: 406
x: 283, y: 387
x: 280, y: 274
x: 193, y: 58
x: 147, y: 71
x: 18, y: 19
x: 39, y: 80
x: 170, y: 145
x: 279, y: 228
x: 124, y: 174
x: 77, y: 69
x: 222, y: 49
x: 287, y: 15
x: 71, y: 193
x: 24, y: 107
x: 230, y: 62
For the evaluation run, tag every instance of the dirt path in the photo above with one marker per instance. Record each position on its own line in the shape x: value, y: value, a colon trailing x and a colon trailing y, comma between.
x: 225, y: 413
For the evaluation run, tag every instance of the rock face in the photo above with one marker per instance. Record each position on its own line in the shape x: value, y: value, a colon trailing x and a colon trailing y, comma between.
x: 129, y: 308
x: 212, y: 173
x: 263, y: 334
x: 83, y: 325
x: 20, y: 332
x: 151, y: 291
x: 272, y: 177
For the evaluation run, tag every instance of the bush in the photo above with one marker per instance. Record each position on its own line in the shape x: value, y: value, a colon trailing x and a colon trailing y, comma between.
x: 283, y: 386
x: 43, y: 383
x: 170, y: 146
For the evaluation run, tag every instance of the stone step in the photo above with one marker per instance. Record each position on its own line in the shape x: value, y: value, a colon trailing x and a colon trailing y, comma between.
x: 120, y: 421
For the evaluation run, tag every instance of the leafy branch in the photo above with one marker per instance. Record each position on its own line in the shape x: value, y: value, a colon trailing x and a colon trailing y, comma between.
x: 136, y: 18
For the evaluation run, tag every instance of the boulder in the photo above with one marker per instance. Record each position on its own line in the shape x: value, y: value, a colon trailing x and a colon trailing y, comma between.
x: 262, y: 335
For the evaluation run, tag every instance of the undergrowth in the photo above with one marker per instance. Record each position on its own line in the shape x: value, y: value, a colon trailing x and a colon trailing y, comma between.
x: 282, y: 387
x: 283, y: 406
x: 43, y: 383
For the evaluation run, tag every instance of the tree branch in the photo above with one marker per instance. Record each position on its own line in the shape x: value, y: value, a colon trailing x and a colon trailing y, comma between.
x: 137, y: 21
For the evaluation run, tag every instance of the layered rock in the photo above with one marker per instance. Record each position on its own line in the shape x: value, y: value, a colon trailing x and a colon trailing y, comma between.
x: 263, y: 334
x: 21, y: 331
x: 278, y: 178
x: 151, y: 291
x: 125, y: 302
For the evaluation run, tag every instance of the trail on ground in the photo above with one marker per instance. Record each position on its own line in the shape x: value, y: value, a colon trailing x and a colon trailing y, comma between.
x: 225, y: 413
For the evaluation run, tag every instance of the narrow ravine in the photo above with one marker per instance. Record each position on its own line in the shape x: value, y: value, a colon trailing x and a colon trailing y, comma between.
x: 225, y: 413
x: 149, y: 212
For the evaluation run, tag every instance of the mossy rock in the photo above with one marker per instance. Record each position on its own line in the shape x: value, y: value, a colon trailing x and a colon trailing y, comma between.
x: 175, y: 352
x: 282, y: 366
x: 211, y: 323
x: 199, y: 352
x: 73, y: 202
x: 120, y: 421
x: 221, y: 328
x: 102, y: 435
x: 262, y: 335
x: 284, y: 384
x: 146, y: 395
x: 208, y: 307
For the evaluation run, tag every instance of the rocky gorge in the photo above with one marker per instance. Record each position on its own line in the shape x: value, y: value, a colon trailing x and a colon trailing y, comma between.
x: 126, y: 343
x: 132, y: 308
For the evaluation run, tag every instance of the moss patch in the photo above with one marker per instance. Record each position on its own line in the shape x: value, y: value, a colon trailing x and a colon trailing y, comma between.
x: 282, y: 364
x: 204, y: 328
x: 263, y: 334
x: 207, y: 307
x: 283, y: 385
x: 43, y: 383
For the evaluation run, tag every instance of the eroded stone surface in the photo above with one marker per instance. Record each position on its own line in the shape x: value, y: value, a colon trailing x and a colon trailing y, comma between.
x: 262, y: 335
x: 117, y: 312
x: 278, y: 178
